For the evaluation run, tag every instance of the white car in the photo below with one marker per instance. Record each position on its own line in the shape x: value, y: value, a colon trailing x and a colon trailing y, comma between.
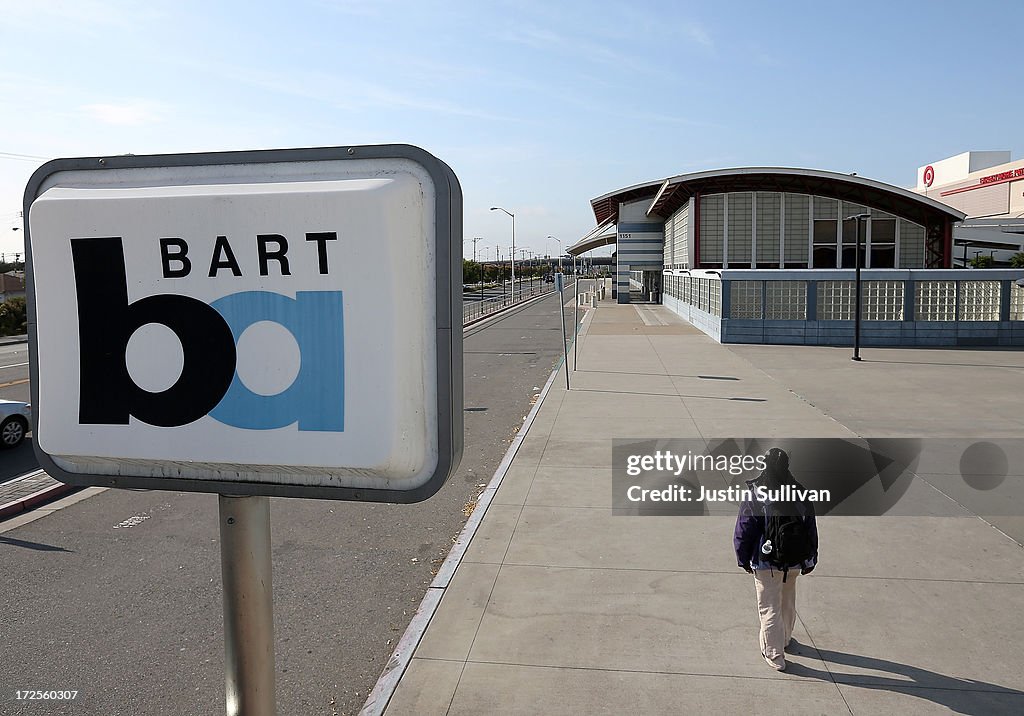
x: 15, y: 418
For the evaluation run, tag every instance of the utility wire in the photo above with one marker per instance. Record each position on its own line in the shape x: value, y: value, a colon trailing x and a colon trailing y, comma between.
x: 23, y: 157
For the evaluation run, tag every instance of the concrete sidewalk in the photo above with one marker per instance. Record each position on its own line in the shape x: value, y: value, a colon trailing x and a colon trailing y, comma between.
x: 558, y: 607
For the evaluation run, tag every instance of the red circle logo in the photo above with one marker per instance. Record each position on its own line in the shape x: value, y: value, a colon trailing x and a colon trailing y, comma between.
x: 929, y: 175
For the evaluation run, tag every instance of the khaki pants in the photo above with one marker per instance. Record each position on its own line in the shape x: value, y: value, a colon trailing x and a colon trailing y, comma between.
x: 776, y: 605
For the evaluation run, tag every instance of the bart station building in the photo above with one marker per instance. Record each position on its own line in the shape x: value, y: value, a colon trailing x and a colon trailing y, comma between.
x: 767, y: 255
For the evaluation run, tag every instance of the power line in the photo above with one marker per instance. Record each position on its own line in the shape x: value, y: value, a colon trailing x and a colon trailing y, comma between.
x: 23, y: 157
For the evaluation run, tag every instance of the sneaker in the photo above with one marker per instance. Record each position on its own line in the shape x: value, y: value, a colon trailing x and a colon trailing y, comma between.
x: 778, y: 665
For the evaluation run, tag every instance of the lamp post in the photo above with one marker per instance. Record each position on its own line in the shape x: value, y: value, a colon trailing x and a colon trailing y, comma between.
x: 513, y: 216
x: 857, y: 309
x: 559, y: 252
x: 512, y: 268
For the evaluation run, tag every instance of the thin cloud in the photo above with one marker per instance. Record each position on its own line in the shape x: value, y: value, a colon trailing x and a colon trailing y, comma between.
x: 82, y: 15
x: 130, y: 114
x: 699, y: 34
x: 358, y: 8
x: 595, y: 52
x: 349, y: 94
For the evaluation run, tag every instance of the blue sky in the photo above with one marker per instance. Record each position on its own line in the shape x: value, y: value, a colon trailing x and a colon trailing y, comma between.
x: 537, y: 106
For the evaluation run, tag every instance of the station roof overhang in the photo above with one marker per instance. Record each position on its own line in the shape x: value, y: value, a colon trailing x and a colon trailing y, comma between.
x: 670, y: 194
x: 603, y: 235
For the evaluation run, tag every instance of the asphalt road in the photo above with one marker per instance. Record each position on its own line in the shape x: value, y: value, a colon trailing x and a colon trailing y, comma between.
x: 119, y: 596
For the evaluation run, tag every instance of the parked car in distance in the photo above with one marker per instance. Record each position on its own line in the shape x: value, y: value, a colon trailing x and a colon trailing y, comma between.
x: 15, y: 418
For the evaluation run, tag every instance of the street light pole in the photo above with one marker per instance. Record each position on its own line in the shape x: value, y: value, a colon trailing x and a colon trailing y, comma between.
x: 513, y: 216
x: 559, y: 252
x: 857, y: 308
x: 512, y: 267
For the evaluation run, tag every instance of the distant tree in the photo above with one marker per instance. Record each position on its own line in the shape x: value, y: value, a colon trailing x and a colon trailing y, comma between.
x: 1017, y: 260
x: 981, y: 262
x: 470, y: 271
x: 12, y: 317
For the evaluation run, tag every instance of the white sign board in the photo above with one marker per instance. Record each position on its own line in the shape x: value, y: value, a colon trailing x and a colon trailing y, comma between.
x: 281, y: 323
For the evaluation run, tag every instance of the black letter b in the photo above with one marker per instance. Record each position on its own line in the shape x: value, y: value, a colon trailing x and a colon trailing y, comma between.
x: 106, y: 321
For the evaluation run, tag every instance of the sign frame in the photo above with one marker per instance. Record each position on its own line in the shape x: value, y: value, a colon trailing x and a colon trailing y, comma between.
x: 447, y: 331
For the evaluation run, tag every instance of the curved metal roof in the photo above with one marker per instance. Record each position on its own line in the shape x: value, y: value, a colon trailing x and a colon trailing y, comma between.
x: 607, y: 206
x: 603, y: 235
x: 669, y: 194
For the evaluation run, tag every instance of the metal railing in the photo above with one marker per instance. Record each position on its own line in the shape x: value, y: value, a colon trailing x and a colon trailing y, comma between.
x: 475, y: 310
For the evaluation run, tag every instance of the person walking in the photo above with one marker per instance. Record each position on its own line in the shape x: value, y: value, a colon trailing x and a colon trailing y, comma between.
x: 776, y: 539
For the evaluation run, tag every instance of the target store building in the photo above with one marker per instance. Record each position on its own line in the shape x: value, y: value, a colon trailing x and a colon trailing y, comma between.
x: 989, y: 189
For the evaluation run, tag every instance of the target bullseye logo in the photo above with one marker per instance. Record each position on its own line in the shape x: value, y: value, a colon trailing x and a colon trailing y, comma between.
x: 929, y: 175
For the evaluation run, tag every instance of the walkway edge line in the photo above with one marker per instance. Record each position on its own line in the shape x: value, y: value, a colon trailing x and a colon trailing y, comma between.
x: 386, y: 685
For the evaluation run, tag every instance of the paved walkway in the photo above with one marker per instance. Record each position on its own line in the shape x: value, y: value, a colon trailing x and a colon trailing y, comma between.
x: 558, y: 607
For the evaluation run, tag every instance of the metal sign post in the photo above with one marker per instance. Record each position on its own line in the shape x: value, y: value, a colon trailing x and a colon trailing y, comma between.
x: 560, y: 287
x: 246, y: 571
x: 575, y: 318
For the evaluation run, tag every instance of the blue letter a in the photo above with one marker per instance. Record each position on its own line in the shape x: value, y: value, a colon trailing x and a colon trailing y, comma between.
x: 316, y: 399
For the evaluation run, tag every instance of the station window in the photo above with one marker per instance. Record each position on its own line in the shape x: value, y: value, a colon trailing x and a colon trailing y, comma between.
x: 935, y: 300
x: 825, y: 231
x: 786, y: 300
x: 883, y: 243
x: 824, y: 256
x: 1016, y: 302
x: 979, y: 300
x: 883, y: 300
x: 798, y: 210
x: 835, y: 300
x: 745, y: 299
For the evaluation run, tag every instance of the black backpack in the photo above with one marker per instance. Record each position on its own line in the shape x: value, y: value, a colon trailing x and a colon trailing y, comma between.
x: 787, y: 541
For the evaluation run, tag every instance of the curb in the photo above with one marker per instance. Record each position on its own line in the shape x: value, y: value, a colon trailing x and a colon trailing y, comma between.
x: 387, y: 683
x: 22, y: 504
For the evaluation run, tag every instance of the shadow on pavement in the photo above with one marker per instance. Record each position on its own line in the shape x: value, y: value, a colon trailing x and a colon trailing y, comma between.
x: 18, y: 461
x: 38, y: 546
x: 966, y: 696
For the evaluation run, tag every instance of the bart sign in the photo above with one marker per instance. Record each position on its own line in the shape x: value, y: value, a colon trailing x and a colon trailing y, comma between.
x: 279, y: 323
